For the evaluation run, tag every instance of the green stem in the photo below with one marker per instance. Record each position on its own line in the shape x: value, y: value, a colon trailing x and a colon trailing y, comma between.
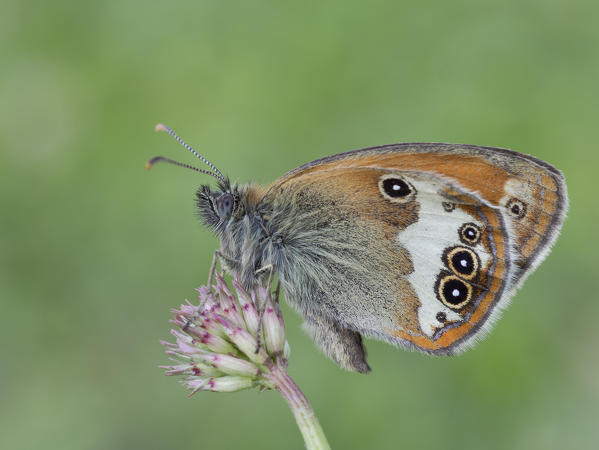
x: 304, y: 414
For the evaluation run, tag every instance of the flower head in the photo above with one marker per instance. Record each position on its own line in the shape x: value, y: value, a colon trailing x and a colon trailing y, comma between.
x: 216, y: 344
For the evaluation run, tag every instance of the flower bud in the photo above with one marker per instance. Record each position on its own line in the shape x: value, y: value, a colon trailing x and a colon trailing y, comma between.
x: 220, y: 384
x: 232, y: 365
x: 215, y: 344
x: 248, y: 308
x: 244, y: 341
x: 274, y: 333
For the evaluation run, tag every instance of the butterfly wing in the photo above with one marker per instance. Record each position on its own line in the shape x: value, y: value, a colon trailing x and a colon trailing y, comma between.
x: 417, y: 244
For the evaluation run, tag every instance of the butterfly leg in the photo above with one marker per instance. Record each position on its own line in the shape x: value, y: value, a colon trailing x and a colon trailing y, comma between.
x: 343, y: 346
x: 277, y: 291
x: 217, y: 255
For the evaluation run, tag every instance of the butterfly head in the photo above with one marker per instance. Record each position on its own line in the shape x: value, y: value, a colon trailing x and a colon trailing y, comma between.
x: 216, y: 207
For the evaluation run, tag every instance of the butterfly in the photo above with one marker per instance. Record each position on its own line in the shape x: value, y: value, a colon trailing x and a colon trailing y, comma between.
x: 420, y: 245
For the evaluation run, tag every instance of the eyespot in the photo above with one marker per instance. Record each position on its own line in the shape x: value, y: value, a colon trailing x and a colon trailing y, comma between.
x: 448, y: 206
x: 462, y: 261
x: 516, y: 208
x: 396, y: 189
x: 469, y: 234
x: 441, y: 317
x: 452, y: 291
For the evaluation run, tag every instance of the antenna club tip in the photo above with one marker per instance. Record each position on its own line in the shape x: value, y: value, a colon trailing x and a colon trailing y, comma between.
x: 161, y: 127
x: 148, y: 166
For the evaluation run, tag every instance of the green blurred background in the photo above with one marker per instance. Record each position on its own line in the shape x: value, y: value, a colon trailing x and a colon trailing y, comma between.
x: 94, y: 251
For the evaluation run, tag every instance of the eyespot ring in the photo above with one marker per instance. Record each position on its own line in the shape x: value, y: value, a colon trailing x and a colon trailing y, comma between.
x: 396, y: 189
x: 462, y: 261
x: 516, y: 208
x: 452, y: 291
x: 448, y: 206
x: 470, y: 234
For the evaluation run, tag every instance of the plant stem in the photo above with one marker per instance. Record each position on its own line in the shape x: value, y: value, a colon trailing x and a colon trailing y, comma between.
x: 304, y: 414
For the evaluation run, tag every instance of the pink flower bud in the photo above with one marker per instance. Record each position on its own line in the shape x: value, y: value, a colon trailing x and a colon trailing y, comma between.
x: 274, y: 333
x: 248, y: 309
x: 232, y: 365
x: 244, y: 341
x: 228, y: 384
x: 215, y: 343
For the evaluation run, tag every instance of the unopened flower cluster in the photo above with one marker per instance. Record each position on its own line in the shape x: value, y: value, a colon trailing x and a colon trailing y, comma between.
x: 217, y: 346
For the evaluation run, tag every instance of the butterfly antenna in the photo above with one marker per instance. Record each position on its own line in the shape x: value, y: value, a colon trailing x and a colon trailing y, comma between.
x: 158, y: 159
x: 162, y: 127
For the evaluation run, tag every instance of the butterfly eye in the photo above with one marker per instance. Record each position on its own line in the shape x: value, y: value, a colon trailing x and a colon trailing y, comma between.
x: 453, y: 292
x: 396, y: 189
x: 462, y: 261
x: 469, y: 234
x: 224, y: 205
x: 516, y: 208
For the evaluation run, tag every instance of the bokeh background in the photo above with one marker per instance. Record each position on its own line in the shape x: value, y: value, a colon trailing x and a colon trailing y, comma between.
x: 94, y: 251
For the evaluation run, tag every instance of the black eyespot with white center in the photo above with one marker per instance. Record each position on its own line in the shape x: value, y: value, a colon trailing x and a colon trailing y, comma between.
x: 469, y: 234
x: 452, y: 291
x: 462, y: 261
x: 396, y: 189
x: 441, y: 317
x: 516, y: 208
